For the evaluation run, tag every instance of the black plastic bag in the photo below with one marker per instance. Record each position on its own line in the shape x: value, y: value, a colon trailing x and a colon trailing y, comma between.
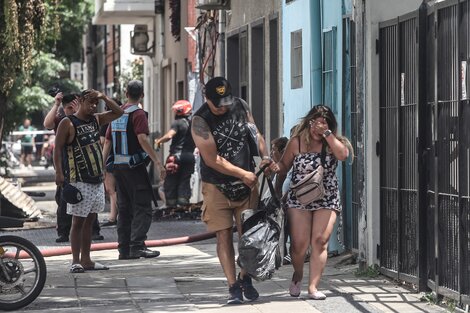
x: 260, y: 247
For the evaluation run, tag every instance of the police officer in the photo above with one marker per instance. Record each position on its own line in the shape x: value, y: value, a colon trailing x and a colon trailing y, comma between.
x: 128, y: 137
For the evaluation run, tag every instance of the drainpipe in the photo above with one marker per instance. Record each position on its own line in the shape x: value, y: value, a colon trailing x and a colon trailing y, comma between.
x: 363, y: 227
x: 220, y: 69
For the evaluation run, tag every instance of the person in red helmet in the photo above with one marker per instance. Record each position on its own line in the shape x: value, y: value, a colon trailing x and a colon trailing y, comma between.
x: 180, y: 162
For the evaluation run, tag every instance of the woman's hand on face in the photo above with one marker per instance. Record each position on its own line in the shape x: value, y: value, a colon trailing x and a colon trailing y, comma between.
x: 319, y: 126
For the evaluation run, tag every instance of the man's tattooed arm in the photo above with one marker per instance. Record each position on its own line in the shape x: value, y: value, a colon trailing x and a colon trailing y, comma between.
x: 200, y: 127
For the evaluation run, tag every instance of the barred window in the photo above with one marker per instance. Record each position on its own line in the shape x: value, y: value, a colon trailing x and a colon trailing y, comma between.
x: 329, y: 67
x: 296, y: 59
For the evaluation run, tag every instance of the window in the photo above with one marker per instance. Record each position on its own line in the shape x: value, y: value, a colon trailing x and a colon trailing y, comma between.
x: 329, y: 67
x: 244, y: 58
x: 244, y: 65
x: 296, y: 59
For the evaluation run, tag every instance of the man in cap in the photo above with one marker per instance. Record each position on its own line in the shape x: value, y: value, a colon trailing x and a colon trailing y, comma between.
x: 229, y: 185
x: 128, y: 137
x: 79, y: 162
x: 180, y: 162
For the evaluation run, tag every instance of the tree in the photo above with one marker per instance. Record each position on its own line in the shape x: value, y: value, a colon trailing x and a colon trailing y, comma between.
x: 133, y: 70
x: 21, y: 25
x: 25, y: 100
x: 71, y: 17
x: 39, y: 38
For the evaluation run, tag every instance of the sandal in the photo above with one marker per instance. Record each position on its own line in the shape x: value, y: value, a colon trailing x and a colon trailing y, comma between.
x: 76, y: 268
x: 97, y: 267
x: 317, y: 295
x: 294, y: 288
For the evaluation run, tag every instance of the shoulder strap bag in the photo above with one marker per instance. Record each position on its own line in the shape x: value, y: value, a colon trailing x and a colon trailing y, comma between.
x: 310, y: 188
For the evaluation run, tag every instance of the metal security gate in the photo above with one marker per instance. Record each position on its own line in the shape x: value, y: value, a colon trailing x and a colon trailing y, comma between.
x: 451, y: 132
x: 424, y: 124
x: 398, y: 132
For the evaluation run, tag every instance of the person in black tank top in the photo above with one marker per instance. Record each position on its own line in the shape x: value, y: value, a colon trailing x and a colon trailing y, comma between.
x: 68, y: 106
x: 78, y: 159
x: 229, y: 185
x: 180, y: 161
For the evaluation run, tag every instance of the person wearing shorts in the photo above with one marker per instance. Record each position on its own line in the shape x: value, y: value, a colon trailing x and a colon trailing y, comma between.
x: 79, y: 162
x: 93, y: 200
x: 219, y: 212
x: 227, y: 171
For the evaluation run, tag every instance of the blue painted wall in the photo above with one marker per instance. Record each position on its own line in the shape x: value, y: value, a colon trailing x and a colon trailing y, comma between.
x: 301, y: 14
x: 313, y: 17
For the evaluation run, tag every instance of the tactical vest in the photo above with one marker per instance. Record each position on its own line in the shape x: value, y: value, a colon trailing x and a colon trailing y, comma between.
x: 127, y: 151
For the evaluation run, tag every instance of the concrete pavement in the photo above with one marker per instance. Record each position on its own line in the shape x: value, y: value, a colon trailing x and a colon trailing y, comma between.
x: 189, y: 278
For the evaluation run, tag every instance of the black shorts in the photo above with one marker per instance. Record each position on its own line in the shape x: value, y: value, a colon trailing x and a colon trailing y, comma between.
x: 26, y: 150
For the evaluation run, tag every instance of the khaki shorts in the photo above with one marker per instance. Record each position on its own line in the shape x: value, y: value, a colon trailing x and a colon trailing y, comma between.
x: 218, y: 212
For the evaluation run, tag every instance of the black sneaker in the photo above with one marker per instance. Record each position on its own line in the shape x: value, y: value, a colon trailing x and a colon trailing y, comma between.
x: 250, y: 293
x: 236, y: 295
x: 287, y: 259
x: 62, y: 238
x: 144, y: 253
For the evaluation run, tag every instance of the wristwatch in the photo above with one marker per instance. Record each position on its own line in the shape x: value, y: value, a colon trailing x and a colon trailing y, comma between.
x: 326, y: 133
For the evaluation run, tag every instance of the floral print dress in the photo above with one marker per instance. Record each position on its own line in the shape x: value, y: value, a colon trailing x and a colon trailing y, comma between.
x: 305, y: 163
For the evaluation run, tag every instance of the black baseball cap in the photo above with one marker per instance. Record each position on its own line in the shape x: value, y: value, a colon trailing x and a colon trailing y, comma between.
x: 71, y: 194
x: 219, y: 91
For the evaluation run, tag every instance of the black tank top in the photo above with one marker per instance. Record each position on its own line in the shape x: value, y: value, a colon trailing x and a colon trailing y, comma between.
x: 83, y: 158
x: 231, y: 139
x: 182, y: 141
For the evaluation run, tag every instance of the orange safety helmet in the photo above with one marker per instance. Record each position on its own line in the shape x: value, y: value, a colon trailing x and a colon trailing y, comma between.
x: 182, y: 107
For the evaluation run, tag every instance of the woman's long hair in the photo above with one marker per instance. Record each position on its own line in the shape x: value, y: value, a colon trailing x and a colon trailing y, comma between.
x: 302, y: 130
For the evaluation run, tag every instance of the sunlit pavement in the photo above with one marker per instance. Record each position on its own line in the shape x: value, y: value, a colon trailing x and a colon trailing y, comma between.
x: 188, y: 277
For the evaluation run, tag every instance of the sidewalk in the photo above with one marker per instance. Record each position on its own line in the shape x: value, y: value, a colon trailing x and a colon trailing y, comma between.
x: 189, y: 278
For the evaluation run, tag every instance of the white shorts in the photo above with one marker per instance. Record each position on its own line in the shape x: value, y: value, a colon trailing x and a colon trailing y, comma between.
x: 93, y: 199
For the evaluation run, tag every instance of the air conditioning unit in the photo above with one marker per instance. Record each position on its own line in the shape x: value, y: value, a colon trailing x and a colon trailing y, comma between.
x: 140, y: 41
x: 213, y: 4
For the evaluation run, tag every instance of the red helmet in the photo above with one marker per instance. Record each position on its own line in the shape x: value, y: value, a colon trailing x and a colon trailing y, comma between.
x: 182, y: 107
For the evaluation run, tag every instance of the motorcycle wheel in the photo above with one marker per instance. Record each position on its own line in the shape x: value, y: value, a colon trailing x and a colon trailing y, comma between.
x: 22, y: 272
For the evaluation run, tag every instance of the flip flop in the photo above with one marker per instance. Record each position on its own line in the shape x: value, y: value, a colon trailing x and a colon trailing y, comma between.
x: 97, y: 267
x: 76, y: 268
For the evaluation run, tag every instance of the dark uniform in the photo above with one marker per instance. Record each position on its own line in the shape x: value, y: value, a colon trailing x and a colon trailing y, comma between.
x: 177, y: 184
x: 133, y: 187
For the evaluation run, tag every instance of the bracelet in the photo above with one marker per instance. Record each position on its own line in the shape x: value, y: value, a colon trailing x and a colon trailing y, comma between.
x: 266, y: 157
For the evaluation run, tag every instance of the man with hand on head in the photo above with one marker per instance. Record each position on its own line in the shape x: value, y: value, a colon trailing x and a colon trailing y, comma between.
x: 51, y: 121
x: 78, y: 159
